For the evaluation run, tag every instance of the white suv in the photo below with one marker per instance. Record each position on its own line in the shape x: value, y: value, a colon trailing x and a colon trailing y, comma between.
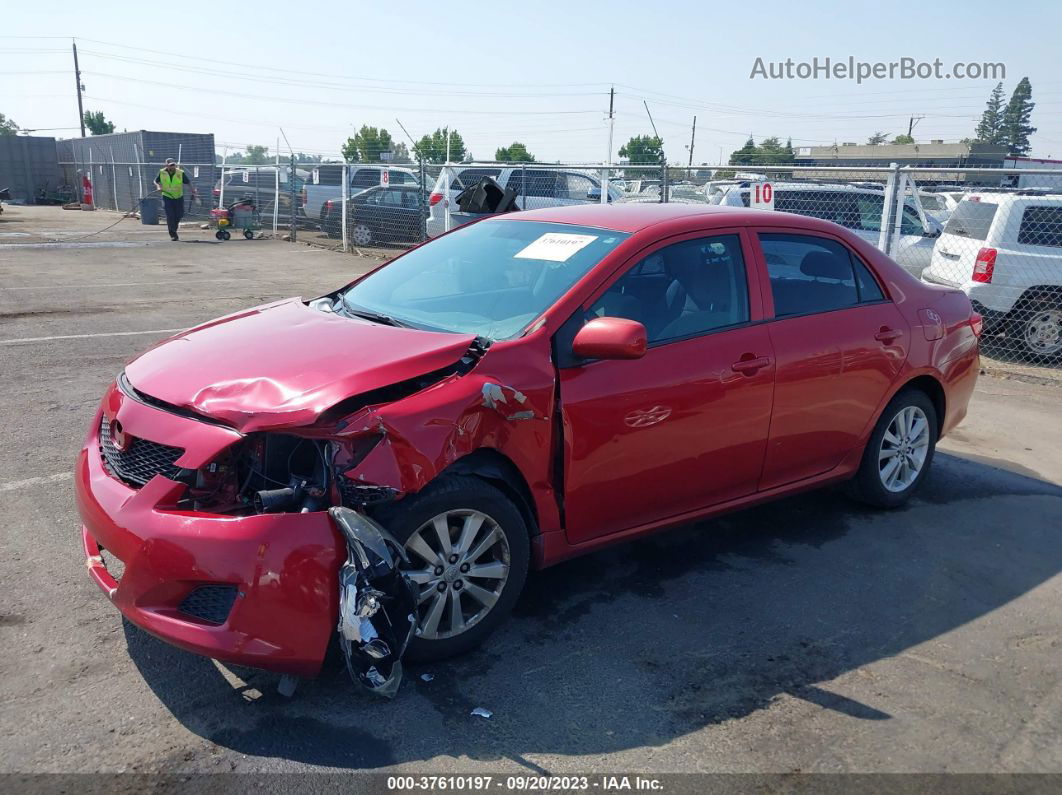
x: 858, y: 209
x: 1005, y: 252
x: 535, y: 187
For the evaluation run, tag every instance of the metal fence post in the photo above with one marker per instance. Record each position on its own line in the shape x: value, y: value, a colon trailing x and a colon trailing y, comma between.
x: 447, y: 179
x: 422, y: 204
x: 604, y: 186
x: 664, y: 182
x: 343, y: 214
x: 276, y: 195
x: 291, y: 189
x: 891, y: 186
x: 523, y: 186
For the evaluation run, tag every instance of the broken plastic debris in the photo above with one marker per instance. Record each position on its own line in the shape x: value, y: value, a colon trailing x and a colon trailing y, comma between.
x: 372, y: 594
x: 480, y: 712
x: 427, y: 677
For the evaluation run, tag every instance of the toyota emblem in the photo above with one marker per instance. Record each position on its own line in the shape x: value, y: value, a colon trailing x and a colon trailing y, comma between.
x: 120, y: 440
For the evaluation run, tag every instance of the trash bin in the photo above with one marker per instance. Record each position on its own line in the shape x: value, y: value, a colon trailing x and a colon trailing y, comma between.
x: 149, y: 211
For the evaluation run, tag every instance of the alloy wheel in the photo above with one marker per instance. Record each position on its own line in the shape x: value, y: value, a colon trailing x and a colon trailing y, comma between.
x: 1043, y: 332
x: 460, y: 564
x: 903, y: 449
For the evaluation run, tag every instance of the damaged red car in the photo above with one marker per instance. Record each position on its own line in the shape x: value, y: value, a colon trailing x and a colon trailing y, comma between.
x: 522, y: 390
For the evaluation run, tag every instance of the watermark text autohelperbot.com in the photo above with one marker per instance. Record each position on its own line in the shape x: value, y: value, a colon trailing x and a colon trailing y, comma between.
x: 849, y: 68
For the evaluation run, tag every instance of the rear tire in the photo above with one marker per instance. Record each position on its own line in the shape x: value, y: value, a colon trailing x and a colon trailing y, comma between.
x: 486, y: 532
x: 899, y: 452
x: 1038, y: 328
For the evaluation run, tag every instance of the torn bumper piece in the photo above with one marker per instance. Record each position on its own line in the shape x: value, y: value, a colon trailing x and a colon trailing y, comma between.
x: 377, y: 603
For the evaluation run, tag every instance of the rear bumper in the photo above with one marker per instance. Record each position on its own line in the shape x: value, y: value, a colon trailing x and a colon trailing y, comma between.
x: 282, y: 568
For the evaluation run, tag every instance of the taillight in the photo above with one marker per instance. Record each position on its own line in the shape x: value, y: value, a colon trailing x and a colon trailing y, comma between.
x: 217, y: 192
x: 984, y: 266
x: 976, y: 323
x: 435, y: 199
x: 302, y: 197
x: 328, y: 206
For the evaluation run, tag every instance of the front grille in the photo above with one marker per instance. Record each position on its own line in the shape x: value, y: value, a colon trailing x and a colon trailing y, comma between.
x: 211, y: 603
x: 141, y: 462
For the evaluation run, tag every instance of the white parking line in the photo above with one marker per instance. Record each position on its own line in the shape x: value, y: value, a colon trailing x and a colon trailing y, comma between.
x: 13, y: 485
x: 94, y: 285
x: 20, y: 340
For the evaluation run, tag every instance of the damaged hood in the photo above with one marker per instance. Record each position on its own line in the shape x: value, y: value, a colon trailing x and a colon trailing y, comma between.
x: 283, y: 364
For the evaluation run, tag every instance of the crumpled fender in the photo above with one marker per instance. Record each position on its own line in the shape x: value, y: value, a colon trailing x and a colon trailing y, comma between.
x: 506, y: 403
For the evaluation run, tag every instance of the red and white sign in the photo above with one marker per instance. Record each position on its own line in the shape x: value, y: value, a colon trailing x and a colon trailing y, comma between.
x: 761, y: 196
x: 385, y: 177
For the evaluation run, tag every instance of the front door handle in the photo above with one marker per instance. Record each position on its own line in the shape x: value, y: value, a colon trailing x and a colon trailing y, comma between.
x: 887, y: 334
x: 751, y: 366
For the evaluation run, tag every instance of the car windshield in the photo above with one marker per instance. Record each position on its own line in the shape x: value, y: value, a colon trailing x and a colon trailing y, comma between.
x: 490, y: 279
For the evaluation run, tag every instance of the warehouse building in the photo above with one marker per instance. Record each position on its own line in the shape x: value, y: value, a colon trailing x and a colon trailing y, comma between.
x: 123, y: 166
x: 29, y: 167
x: 951, y: 158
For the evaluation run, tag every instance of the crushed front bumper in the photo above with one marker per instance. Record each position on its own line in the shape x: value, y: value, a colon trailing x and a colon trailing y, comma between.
x: 258, y: 590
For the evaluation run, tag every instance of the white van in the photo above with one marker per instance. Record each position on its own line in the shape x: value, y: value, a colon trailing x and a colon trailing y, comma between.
x: 858, y: 209
x: 1005, y: 252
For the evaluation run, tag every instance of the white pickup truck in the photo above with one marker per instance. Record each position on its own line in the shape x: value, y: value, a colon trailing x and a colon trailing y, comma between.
x: 330, y: 185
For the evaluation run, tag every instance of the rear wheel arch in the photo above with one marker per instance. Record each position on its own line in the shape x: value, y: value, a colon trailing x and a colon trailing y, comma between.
x: 934, y: 390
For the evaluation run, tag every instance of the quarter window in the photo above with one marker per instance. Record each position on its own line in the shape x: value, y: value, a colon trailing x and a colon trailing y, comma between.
x: 682, y: 290
x: 1041, y: 226
x: 811, y: 274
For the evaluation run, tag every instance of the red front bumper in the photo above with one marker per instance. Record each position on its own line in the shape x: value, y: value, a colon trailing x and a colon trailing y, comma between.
x: 284, y: 567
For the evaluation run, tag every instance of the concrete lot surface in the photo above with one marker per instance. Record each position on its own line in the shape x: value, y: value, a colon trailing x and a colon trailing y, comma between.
x: 807, y: 635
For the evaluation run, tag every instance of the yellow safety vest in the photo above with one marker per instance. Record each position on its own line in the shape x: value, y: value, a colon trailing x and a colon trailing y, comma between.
x: 172, y: 186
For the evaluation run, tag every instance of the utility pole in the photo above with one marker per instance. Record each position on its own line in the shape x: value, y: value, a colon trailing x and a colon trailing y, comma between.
x: 693, y: 136
x: 611, y: 121
x: 911, y: 124
x: 80, y: 88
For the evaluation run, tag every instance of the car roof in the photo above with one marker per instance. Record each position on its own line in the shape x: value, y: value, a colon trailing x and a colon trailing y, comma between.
x: 1011, y: 198
x: 636, y: 216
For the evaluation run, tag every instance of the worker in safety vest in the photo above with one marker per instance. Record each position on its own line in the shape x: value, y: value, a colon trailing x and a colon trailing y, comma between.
x: 170, y: 182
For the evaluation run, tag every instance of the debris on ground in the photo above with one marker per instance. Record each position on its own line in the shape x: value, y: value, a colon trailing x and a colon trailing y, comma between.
x: 480, y: 712
x: 427, y: 677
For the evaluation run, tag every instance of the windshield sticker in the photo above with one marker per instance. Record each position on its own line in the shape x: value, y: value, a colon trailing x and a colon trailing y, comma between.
x: 555, y: 247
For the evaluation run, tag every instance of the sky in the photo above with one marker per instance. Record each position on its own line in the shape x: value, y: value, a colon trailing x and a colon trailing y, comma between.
x: 538, y: 73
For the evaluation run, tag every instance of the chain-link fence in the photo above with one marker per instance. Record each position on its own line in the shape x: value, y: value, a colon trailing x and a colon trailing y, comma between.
x: 994, y: 233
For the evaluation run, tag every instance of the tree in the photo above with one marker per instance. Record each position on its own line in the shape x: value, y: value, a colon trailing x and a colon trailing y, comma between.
x: 514, y: 153
x: 256, y: 155
x: 643, y: 149
x: 990, y: 128
x: 97, y: 124
x: 367, y: 144
x: 745, y: 155
x: 7, y: 126
x: 401, y: 153
x: 1015, y: 129
x: 877, y: 139
x: 902, y: 138
x: 432, y: 148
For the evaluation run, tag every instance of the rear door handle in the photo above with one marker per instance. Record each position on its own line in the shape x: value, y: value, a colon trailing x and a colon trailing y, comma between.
x: 887, y: 335
x: 750, y: 366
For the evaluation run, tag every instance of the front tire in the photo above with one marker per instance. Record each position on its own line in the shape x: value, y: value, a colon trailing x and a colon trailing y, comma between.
x: 469, y: 551
x: 900, y: 451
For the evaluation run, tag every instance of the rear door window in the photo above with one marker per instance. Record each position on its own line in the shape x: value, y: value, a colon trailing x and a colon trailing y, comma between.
x: 808, y: 274
x: 971, y: 219
x: 365, y: 178
x: 1041, y: 226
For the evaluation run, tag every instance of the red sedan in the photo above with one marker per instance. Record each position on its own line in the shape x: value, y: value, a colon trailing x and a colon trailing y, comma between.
x: 522, y: 390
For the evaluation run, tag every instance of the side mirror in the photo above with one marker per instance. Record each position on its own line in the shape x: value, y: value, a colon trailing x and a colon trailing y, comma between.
x: 611, y: 338
x: 933, y: 231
